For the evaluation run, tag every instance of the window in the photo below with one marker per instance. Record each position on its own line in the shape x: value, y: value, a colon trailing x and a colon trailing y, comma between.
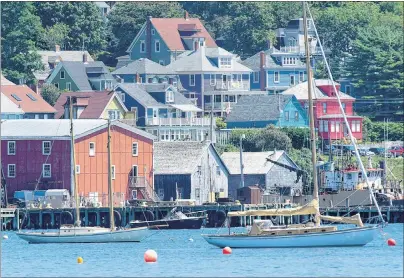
x: 91, y: 149
x: 324, y: 107
x: 31, y: 97
x: 348, y: 89
x: 46, y: 147
x: 320, y: 126
x: 161, y: 62
x: 218, y: 170
x: 122, y: 96
x: 356, y: 126
x: 153, y: 32
x: 11, y: 147
x: 225, y: 62
x: 11, y: 170
x: 142, y: 47
x: 113, y: 172
x: 192, y: 80
x: 134, y: 110
x: 301, y: 76
x: 349, y: 176
x: 296, y: 116
x: 332, y: 126
x: 161, y: 193
x: 289, y: 60
x: 108, y: 84
x: 197, y: 193
x: 213, y: 79
x: 286, y: 115
x: 114, y: 114
x: 169, y: 96
x: 77, y: 169
x: 134, y: 149
x: 325, y: 126
x: 276, y: 77
x: 256, y: 76
x: 292, y: 80
x: 134, y: 172
x: 344, y: 107
x: 69, y: 86
x: 36, y: 116
x: 62, y: 74
x: 337, y: 124
x: 46, y: 171
x: 157, y: 46
x: 56, y: 85
x: 17, y: 98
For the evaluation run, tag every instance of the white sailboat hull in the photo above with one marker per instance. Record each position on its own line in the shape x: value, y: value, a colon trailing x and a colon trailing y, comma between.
x: 100, y: 235
x: 348, y: 237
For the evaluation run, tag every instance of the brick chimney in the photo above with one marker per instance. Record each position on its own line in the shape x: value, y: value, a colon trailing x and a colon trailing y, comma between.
x: 262, y: 70
x: 186, y: 15
x: 85, y: 58
x: 148, y: 37
x: 57, y: 48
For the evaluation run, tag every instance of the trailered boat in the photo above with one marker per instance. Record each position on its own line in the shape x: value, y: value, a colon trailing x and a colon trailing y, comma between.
x: 264, y: 234
x: 78, y: 234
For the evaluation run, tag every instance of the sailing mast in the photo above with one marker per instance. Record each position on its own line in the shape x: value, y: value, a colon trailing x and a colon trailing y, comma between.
x: 75, y: 184
x: 110, y: 189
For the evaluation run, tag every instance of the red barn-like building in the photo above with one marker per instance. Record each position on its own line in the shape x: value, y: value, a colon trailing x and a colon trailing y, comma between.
x: 327, y: 113
x: 36, y: 154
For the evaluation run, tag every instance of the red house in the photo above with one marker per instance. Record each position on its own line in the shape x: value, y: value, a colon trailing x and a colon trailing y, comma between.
x: 36, y: 154
x: 327, y: 113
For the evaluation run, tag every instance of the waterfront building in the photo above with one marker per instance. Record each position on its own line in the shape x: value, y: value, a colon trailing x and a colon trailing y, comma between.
x: 36, y: 155
x: 10, y: 110
x: 33, y: 106
x: 92, y: 105
x: 259, y: 111
x: 189, y: 170
x: 163, y: 111
x: 270, y: 171
x: 328, y: 117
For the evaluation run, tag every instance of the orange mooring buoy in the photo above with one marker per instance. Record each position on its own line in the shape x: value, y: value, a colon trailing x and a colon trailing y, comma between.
x: 391, y: 242
x: 150, y: 256
x: 227, y: 250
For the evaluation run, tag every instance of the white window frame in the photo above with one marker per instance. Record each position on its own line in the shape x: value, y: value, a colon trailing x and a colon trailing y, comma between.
x: 113, y: 173
x: 115, y: 114
x: 320, y: 126
x: 142, y: 46
x: 296, y: 116
x: 256, y: 76
x: 137, y: 148
x: 77, y: 169
x: 324, y: 107
x: 332, y: 126
x: 69, y: 86
x: 337, y: 126
x: 287, y: 117
x: 294, y: 80
x: 225, y: 62
x: 43, y: 147
x: 212, y: 80
x: 358, y: 126
x: 44, y: 171
x: 301, y: 76
x: 190, y: 79
x: 325, y: 126
x: 276, y: 80
x: 8, y: 148
x: 169, y: 96
x: 64, y: 74
x: 8, y: 171
x: 91, y: 151
x: 343, y: 106
x: 123, y: 97
x: 157, y: 42
x: 132, y: 173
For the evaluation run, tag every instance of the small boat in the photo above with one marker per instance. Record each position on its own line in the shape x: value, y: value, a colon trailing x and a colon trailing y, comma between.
x: 78, y: 234
x: 174, y: 220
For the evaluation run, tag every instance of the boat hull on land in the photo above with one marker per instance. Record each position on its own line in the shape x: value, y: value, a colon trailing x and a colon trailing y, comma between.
x: 348, y: 237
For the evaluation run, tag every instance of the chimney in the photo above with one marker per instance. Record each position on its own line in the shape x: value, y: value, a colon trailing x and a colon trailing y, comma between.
x: 57, y: 48
x: 148, y: 37
x: 262, y: 70
x: 186, y: 15
x: 85, y: 58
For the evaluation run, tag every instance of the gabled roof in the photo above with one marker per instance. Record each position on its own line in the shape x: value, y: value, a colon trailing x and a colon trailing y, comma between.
x: 143, y: 66
x: 181, y: 157
x: 254, y: 61
x: 97, y: 102
x: 79, y: 72
x: 9, y: 107
x: 37, y: 129
x: 254, y: 162
x: 26, y: 99
x: 5, y: 81
x: 258, y: 108
x: 198, y: 61
x: 300, y: 91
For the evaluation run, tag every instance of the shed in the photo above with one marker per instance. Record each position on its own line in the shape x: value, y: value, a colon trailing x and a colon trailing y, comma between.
x: 249, y: 195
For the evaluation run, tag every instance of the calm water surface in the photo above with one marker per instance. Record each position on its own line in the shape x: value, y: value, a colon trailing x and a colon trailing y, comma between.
x: 178, y: 256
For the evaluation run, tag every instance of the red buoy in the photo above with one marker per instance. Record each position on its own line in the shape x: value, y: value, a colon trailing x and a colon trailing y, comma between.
x: 150, y: 256
x: 391, y: 242
x: 227, y: 251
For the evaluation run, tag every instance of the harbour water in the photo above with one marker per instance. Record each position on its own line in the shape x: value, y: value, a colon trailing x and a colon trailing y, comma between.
x: 184, y: 253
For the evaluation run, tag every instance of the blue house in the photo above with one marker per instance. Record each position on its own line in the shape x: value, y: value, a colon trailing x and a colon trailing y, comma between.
x: 163, y: 111
x: 163, y: 39
x: 275, y: 71
x: 259, y: 111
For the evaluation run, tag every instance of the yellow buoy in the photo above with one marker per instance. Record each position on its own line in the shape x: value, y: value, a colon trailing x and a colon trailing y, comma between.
x: 80, y: 260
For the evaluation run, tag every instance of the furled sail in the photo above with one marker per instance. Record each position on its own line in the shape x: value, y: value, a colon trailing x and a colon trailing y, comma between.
x: 355, y: 219
x: 309, y: 208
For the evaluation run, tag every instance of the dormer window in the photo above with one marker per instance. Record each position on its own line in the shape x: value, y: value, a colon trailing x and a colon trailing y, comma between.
x: 169, y: 96
x: 225, y: 62
x: 62, y: 74
x: 289, y: 61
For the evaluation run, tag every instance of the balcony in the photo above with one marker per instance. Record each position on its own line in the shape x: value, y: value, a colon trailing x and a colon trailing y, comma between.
x: 138, y: 182
x: 227, y: 85
x: 178, y: 122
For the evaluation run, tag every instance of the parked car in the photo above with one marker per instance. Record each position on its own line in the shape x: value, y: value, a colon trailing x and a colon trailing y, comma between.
x: 378, y: 151
x: 397, y: 151
x: 366, y: 152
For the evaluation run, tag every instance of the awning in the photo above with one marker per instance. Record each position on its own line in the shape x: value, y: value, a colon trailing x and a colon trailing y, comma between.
x: 187, y: 107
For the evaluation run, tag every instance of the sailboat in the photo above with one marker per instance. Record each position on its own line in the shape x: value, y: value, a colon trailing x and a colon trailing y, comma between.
x: 78, y: 234
x: 264, y: 234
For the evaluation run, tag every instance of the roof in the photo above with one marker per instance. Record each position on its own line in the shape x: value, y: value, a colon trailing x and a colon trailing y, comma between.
x: 5, y: 81
x: 101, y: 4
x: 198, y: 61
x: 97, y: 102
x: 143, y: 66
x: 167, y: 28
x: 254, y: 62
x: 9, y: 107
x: 258, y: 108
x: 300, y: 91
x: 254, y: 162
x: 181, y: 157
x: 79, y: 73
x: 35, y: 105
x: 59, y: 128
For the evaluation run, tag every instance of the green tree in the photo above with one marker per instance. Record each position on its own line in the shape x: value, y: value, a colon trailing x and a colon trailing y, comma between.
x: 50, y: 93
x: 20, y: 30
x: 220, y: 124
x: 55, y: 34
x: 300, y: 136
x: 272, y: 138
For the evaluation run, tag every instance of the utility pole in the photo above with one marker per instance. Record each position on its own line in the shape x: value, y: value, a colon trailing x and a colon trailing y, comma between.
x: 241, y: 161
